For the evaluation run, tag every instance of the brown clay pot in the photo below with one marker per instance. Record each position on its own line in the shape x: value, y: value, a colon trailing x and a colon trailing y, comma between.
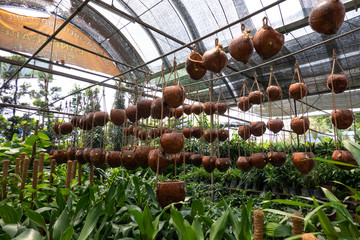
x: 257, y: 128
x: 136, y: 131
x: 75, y: 121
x: 170, y: 192
x: 275, y: 125
x: 241, y: 48
x: 298, y: 90
x: 302, y: 161
x: 197, y: 109
x: 221, y: 107
x: 342, y: 118
x: 79, y: 156
x: 60, y: 156
x: 267, y: 41
x: 244, y: 103
x: 186, y: 156
x: 256, y: 97
x: 197, y: 132
x: 174, y: 96
x: 222, y: 164
x: 84, y: 125
x: 157, y: 106
x: 277, y: 159
x: 177, y: 112
x: 194, y: 66
x: 154, y: 133
x: 344, y: 157
x: 300, y: 125
x: 340, y: 83
x: 186, y: 132
x: 131, y: 113
x: 223, y: 134
x: 327, y: 16
x: 128, y: 159
x: 259, y: 160
x: 56, y: 128
x: 100, y: 118
x: 196, y: 160
x: 209, y: 108
x: 113, y: 159
x: 117, y: 116
x: 128, y: 131
x: 273, y: 92
x: 66, y: 128
x: 244, y: 132
x: 86, y: 154
x: 142, y: 134
x: 244, y: 163
x: 97, y: 157
x: 210, y: 135
x: 144, y: 108
x: 215, y: 60
x: 141, y: 155
x: 187, y: 109
x: 173, y: 142
x: 164, y: 160
x: 163, y: 130
x: 209, y: 163
x: 70, y: 152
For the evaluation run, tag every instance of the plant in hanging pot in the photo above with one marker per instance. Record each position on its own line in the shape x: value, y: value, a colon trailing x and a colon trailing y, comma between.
x: 221, y: 107
x: 342, y: 118
x: 128, y: 159
x: 222, y: 164
x: 197, y: 132
x: 163, y: 158
x: 275, y: 126
x: 241, y: 47
x: 209, y: 163
x: 187, y: 109
x: 215, y: 60
x: 209, y: 108
x: 244, y: 103
x: 143, y: 134
x: 256, y: 97
x: 273, y: 92
x: 113, y: 159
x: 169, y: 192
x: 141, y: 155
x: 223, y: 134
x: 277, y: 159
x: 327, y: 16
x: 144, y: 108
x: 344, y: 157
x: 303, y: 161
x: 300, y: 125
x: 194, y: 66
x: 244, y: 132
x: 174, y: 96
x: 117, y: 116
x: 267, y: 41
x: 173, y: 142
x: 131, y: 113
x: 97, y: 157
x: 100, y: 118
x: 197, y: 109
x: 66, y: 128
x: 340, y: 82
x: 196, y: 159
x: 257, y: 128
x: 298, y: 90
x: 259, y: 160
x: 244, y: 163
x: 159, y: 105
x: 210, y: 135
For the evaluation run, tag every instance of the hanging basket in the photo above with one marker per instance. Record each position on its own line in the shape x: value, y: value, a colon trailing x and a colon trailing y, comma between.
x: 275, y: 126
x: 342, y: 118
x: 163, y: 158
x: 97, y: 157
x: 344, y: 157
x: 141, y: 155
x: 209, y: 163
x: 223, y: 135
x: 79, y: 156
x: 158, y: 105
x: 75, y: 121
x: 259, y: 160
x: 173, y: 142
x: 196, y: 159
x: 113, y: 159
x: 86, y: 154
x: 221, y: 107
x: 187, y: 109
x: 70, y: 152
x: 144, y: 108
x: 277, y: 159
x: 170, y: 192
x: 128, y: 159
x: 66, y: 128
x: 303, y: 161
x: 215, y: 60
x: 244, y: 132
x: 60, y: 156
x: 117, y: 116
x: 131, y: 113
x: 186, y: 132
x: 209, y: 108
x: 298, y: 90
x: 222, y: 164
x: 300, y: 125
x: 197, y: 132
x: 174, y: 96
x: 210, y: 135
x: 100, y: 118
x: 241, y: 48
x: 197, y: 109
x: 186, y: 156
x: 244, y: 103
x: 256, y: 97
x: 257, y: 128
x: 244, y: 163
x: 340, y: 82
x: 194, y: 66
x: 273, y: 92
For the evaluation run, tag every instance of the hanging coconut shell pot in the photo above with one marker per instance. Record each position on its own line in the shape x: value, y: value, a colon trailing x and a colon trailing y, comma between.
x: 170, y: 192
x: 186, y: 132
x: 79, y: 156
x: 84, y: 124
x: 141, y: 155
x: 75, y: 121
x: 186, y: 156
x: 173, y: 142
x: 344, y: 157
x: 136, y: 131
x: 66, y: 128
x: 210, y: 135
x: 215, y: 60
x: 89, y: 119
x: 113, y: 159
x: 275, y: 126
x: 97, y: 157
x: 209, y: 108
x: 143, y: 134
x: 56, y: 128
x: 131, y: 113
x: 163, y: 130
x: 300, y: 125
x: 187, y: 109
x: 197, y: 109
x: 174, y: 96
x: 277, y: 159
x: 273, y: 92
x: 303, y: 161
x: 100, y: 118
x: 221, y: 107
x: 223, y: 134
x: 177, y: 112
x: 340, y: 82
x: 244, y: 163
x: 144, y: 108
x: 128, y: 159
x: 86, y: 154
x: 196, y: 159
x: 257, y: 128
x: 259, y: 160
x: 344, y: 118
x: 60, y: 156
x: 117, y: 116
x: 70, y: 152
x: 244, y: 132
x: 327, y: 16
x: 128, y: 131
x: 197, y: 132
x: 194, y: 66
x: 164, y: 160
x: 209, y: 163
x: 157, y: 106
x: 241, y: 47
x: 154, y: 133
x: 267, y: 41
x: 244, y: 103
x: 176, y: 159
x: 298, y: 90
x: 256, y: 97
x: 222, y: 164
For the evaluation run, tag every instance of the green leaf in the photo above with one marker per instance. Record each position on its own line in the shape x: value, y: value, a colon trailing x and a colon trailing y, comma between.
x: 61, y: 224
x: 198, y: 228
x: 235, y: 223
x: 189, y: 232
x: 334, y: 162
x: 60, y: 200
x: 10, y: 229
x: 197, y: 207
x: 31, y: 140
x: 8, y: 214
x: 43, y: 136
x: 90, y: 222
x: 218, y: 227
x: 29, y: 234
x: 329, y: 230
x: 281, y: 213
x: 81, y: 206
x: 138, y: 219
x: 178, y: 220
x: 67, y: 235
x: 150, y: 192
x: 148, y: 223
x: 289, y: 202
x: 245, y: 232
x: 36, y: 218
x: 278, y: 230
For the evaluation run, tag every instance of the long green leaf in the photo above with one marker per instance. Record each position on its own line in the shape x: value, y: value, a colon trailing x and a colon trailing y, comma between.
x: 198, y: 228
x: 8, y: 214
x: 278, y: 230
x: 31, y: 140
x: 60, y: 200
x: 90, y: 222
x: 150, y: 192
x: 235, y: 223
x: 67, y: 235
x: 294, y: 203
x: 189, y: 232
x: 245, y: 232
x: 138, y: 219
x: 29, y: 234
x: 197, y: 207
x: 329, y: 230
x: 218, y: 227
x: 148, y: 224
x: 61, y: 224
x: 38, y: 219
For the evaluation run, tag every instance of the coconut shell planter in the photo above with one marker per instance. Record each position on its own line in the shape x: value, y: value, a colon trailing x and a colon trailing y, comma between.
x: 163, y: 158
x: 170, y: 192
x: 75, y: 121
x: 222, y: 164
x: 174, y: 96
x: 256, y: 97
x: 244, y: 132
x: 275, y: 126
x: 342, y: 118
x: 197, y: 132
x: 273, y: 92
x: 79, y: 156
x: 86, y: 154
x: 186, y: 132
x: 97, y: 157
x: 131, y: 113
x: 117, y: 116
x: 66, y: 128
x: 197, y: 109
x: 244, y: 163
x: 340, y: 82
x: 210, y: 135
x: 128, y: 159
x: 244, y: 103
x: 298, y: 90
x: 141, y: 155
x: 209, y: 163
x: 277, y: 159
x: 209, y: 108
x: 257, y: 128
x: 221, y: 108
x: 176, y: 159
x: 187, y: 109
x: 258, y: 160
x: 215, y: 60
x: 173, y: 142
x: 223, y: 135
x: 186, y: 156
x: 113, y: 159
x: 303, y: 161
x: 194, y: 66
x: 60, y: 156
x: 344, y: 157
x: 70, y: 152
x: 100, y: 118
x: 241, y: 47
x: 56, y: 128
x: 159, y: 109
x: 300, y: 125
x: 144, y: 108
x: 196, y: 159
